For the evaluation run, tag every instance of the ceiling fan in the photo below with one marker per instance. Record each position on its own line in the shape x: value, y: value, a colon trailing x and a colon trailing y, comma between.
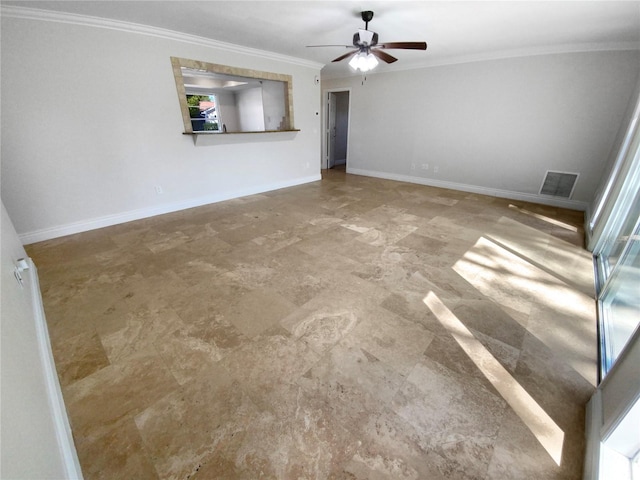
x: 367, y: 50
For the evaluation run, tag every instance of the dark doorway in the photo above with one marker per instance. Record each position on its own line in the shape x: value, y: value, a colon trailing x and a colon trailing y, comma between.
x: 337, y: 128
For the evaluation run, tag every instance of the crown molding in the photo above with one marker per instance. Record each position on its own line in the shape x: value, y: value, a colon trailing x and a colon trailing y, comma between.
x: 500, y: 55
x: 26, y: 13
x: 531, y: 52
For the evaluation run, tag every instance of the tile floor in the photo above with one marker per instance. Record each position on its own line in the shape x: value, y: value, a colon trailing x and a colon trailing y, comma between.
x: 352, y: 328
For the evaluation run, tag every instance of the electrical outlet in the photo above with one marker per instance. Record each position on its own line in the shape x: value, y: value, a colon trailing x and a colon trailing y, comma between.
x: 435, y: 169
x: 159, y: 190
x: 425, y: 166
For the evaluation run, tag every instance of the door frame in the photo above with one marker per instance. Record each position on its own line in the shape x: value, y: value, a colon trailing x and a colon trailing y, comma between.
x: 325, y: 124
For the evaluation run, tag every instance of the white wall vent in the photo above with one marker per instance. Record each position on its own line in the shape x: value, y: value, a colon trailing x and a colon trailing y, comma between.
x: 559, y: 184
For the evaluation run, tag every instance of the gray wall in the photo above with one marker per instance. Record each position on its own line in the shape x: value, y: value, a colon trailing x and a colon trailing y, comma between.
x: 615, y: 172
x: 91, y: 123
x: 250, y: 110
x: 342, y: 126
x: 33, y: 440
x: 497, y: 126
x: 228, y: 110
x: 273, y: 96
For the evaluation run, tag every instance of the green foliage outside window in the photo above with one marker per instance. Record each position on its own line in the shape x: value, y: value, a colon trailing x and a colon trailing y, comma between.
x: 193, y: 101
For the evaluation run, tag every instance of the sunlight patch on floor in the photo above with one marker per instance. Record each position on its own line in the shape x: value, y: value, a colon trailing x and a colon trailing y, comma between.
x: 566, y: 261
x: 555, y: 312
x: 550, y: 436
x: 544, y: 218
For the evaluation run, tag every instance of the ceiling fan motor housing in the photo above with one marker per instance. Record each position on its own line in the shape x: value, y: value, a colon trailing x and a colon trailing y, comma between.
x: 367, y: 47
x: 365, y: 38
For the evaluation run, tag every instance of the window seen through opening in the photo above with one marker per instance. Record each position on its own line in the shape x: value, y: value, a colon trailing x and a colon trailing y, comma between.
x: 203, y: 110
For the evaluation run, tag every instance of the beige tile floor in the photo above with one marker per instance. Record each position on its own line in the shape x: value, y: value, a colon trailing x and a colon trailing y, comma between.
x: 352, y: 328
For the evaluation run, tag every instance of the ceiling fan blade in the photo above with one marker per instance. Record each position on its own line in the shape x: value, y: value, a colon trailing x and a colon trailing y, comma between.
x: 346, y: 55
x: 344, y: 46
x: 404, y: 45
x: 384, y: 56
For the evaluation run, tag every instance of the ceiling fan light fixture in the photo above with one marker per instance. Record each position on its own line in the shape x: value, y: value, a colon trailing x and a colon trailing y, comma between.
x: 364, y: 62
x: 366, y: 50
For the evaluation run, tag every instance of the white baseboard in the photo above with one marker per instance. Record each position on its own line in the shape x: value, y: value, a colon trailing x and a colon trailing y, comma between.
x: 59, y: 416
x: 108, y: 220
x: 492, y: 192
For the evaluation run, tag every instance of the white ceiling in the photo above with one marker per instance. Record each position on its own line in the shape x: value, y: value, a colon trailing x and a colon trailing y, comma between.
x: 455, y: 31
